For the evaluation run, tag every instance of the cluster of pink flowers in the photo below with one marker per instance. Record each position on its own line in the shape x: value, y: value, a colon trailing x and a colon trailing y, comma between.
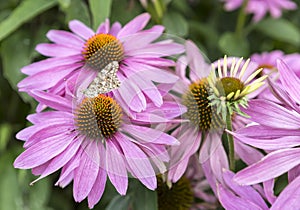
x: 121, y: 102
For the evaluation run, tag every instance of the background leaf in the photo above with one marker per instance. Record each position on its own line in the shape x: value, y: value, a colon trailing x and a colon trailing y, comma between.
x: 100, y: 11
x: 175, y: 24
x: 233, y: 45
x: 280, y: 29
x: 24, y: 12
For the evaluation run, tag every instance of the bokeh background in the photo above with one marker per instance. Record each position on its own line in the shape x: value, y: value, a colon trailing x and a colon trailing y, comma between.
x: 24, y: 23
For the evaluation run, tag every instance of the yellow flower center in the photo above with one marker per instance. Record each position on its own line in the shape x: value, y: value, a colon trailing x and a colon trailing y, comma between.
x: 199, y: 110
x: 227, y: 85
x: 98, y: 117
x: 102, y: 49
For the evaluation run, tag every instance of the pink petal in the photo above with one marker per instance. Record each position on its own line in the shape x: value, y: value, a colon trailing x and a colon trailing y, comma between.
x: 86, y: 174
x: 149, y: 135
x: 289, y: 80
x: 233, y: 202
x: 245, y: 192
x: 273, y: 115
x: 269, y: 144
x: 104, y: 27
x: 289, y: 197
x: 116, y: 168
x: 271, y: 166
x: 99, y: 185
x: 60, y: 160
x: 51, y: 100
x: 80, y: 29
x: 135, y: 25
x: 43, y: 116
x: 115, y: 28
x: 55, y: 50
x: 65, y: 38
x: 141, y: 39
x: 50, y: 63
x: 43, y: 151
x: 47, y: 79
x: 137, y: 161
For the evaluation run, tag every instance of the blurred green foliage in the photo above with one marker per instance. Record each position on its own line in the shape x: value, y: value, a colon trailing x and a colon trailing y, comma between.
x: 24, y: 23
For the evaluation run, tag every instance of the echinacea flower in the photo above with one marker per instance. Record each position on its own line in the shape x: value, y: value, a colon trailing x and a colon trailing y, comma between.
x: 83, y: 55
x: 259, y: 8
x: 93, y: 138
x: 232, y: 86
x: 276, y: 131
x: 198, y: 89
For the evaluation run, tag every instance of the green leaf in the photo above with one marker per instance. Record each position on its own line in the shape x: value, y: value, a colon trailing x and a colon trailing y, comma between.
x: 78, y: 10
x: 175, y: 24
x: 64, y: 4
x: 119, y: 202
x: 15, y: 54
x: 100, y: 11
x: 24, y: 12
x: 233, y: 45
x: 279, y: 29
x: 5, y: 134
x: 144, y: 198
x: 10, y: 193
x: 39, y: 194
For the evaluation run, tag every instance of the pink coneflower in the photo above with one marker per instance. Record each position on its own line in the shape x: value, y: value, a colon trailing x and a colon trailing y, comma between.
x: 276, y: 131
x: 128, y: 50
x: 202, y: 92
x: 96, y: 138
x: 259, y: 8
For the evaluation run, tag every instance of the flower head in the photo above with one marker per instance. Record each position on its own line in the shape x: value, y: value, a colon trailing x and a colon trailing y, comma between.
x: 276, y: 130
x: 103, y: 60
x: 92, y: 138
x: 230, y: 87
x: 259, y: 8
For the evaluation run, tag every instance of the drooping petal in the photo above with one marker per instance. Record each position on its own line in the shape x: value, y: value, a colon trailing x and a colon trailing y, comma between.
x: 43, y: 151
x: 273, y: 115
x: 233, y: 202
x: 137, y: 161
x: 289, y: 197
x: 269, y: 144
x: 51, y: 100
x: 116, y: 168
x: 87, y: 172
x: 271, y: 166
x: 149, y: 135
x: 99, y: 185
x: 245, y: 192
x: 289, y: 79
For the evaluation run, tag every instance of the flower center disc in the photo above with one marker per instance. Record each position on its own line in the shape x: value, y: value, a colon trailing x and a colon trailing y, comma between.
x: 179, y: 196
x: 98, y: 117
x: 199, y: 111
x: 229, y: 85
x: 102, y: 49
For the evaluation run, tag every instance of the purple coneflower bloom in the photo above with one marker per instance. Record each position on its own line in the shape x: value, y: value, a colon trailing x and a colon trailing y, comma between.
x: 259, y: 8
x: 204, y: 125
x: 96, y: 138
x: 85, y: 52
x: 276, y: 131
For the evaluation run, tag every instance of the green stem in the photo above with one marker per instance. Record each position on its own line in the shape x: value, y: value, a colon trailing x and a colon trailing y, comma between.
x: 241, y: 19
x: 230, y: 143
